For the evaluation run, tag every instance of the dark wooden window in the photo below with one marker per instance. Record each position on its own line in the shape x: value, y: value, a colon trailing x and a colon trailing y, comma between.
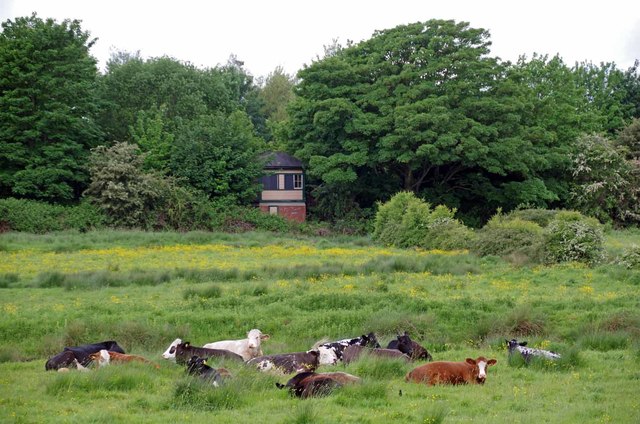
x: 297, y: 181
x: 270, y: 182
x: 288, y: 182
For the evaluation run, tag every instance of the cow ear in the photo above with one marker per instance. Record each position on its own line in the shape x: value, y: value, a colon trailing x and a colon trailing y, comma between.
x: 492, y: 362
x: 264, y: 337
x: 523, y: 343
x: 470, y: 361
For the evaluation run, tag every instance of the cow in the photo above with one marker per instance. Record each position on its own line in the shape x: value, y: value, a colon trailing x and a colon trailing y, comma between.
x: 287, y: 363
x: 247, y: 348
x: 405, y: 345
x: 198, y: 366
x: 354, y: 352
x: 81, y: 353
x: 472, y: 371
x: 183, y: 351
x: 331, y: 352
x: 308, y: 384
x: 527, y: 353
x: 105, y: 357
x: 74, y: 364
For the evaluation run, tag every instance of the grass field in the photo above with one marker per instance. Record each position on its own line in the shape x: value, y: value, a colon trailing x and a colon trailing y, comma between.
x: 146, y: 289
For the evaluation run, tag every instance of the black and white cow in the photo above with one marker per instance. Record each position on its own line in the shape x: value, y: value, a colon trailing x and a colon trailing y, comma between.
x: 310, y: 384
x: 287, y: 363
x: 527, y: 353
x: 405, y: 345
x: 354, y: 352
x: 81, y: 354
x: 182, y: 352
x: 198, y: 366
x: 331, y: 352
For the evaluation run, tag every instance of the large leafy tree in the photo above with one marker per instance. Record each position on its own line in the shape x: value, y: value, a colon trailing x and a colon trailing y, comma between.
x: 47, y: 108
x: 420, y: 107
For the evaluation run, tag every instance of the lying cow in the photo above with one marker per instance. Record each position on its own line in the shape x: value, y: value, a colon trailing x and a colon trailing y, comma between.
x: 354, y: 352
x: 331, y: 352
x: 472, y: 371
x: 404, y: 344
x: 184, y: 351
x: 74, y: 364
x: 311, y: 384
x: 287, y: 363
x: 198, y: 366
x: 181, y: 352
x: 81, y: 353
x: 528, y: 352
x: 105, y: 357
x: 247, y: 348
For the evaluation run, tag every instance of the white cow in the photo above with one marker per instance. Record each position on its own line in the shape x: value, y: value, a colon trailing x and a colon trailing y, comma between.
x: 527, y: 353
x: 247, y: 348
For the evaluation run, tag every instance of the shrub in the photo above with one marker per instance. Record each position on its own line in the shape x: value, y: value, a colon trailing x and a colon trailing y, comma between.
x: 573, y: 237
x: 406, y: 221
x: 630, y: 257
x: 34, y: 216
x: 542, y: 217
x: 502, y: 236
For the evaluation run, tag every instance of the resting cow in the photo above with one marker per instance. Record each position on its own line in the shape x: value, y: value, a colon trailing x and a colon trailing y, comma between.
x: 184, y: 351
x: 331, y: 352
x: 354, y: 352
x: 472, y: 371
x: 198, y: 366
x: 310, y: 384
x: 528, y: 352
x: 247, y: 348
x: 405, y: 345
x: 287, y: 363
x: 105, y: 357
x: 81, y: 353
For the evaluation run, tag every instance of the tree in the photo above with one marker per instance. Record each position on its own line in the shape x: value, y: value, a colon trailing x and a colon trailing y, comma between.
x: 421, y: 107
x: 47, y: 108
x: 276, y: 95
x: 151, y: 134
x: 121, y: 188
x: 218, y: 155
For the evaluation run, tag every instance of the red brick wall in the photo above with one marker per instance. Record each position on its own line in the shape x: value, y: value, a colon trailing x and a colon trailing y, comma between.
x: 293, y: 213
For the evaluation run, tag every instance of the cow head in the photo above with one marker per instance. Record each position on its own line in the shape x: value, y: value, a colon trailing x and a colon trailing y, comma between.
x: 369, y: 340
x: 170, y: 353
x: 513, y: 344
x: 405, y: 344
x: 328, y: 355
x: 480, y: 368
x: 255, y: 336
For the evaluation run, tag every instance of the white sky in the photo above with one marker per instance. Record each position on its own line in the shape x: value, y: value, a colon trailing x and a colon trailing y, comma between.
x: 288, y: 33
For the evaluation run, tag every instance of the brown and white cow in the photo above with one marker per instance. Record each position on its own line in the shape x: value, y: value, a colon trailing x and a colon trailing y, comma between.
x: 471, y: 371
x: 181, y: 352
x: 354, y: 352
x: 105, y: 357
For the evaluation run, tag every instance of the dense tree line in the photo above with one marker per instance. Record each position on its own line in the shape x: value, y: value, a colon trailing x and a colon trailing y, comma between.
x: 421, y: 107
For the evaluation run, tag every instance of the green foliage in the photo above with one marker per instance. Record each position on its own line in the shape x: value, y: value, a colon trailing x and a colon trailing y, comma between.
x: 573, y: 237
x: 40, y: 217
x: 504, y: 236
x: 150, y: 134
x: 218, y: 155
x: 47, y: 108
x: 630, y: 257
x: 542, y: 217
x: 605, y: 186
x: 126, y: 194
x: 406, y: 221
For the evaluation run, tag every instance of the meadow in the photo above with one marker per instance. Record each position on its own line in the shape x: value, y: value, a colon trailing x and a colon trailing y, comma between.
x: 146, y: 289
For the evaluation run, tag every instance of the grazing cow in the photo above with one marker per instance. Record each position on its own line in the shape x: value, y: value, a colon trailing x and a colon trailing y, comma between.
x: 331, y: 352
x: 287, y: 363
x: 405, y: 345
x: 184, y: 351
x: 198, y: 366
x: 528, y: 352
x: 105, y: 357
x: 310, y: 384
x: 472, y: 371
x: 81, y: 353
x: 247, y: 348
x: 353, y: 352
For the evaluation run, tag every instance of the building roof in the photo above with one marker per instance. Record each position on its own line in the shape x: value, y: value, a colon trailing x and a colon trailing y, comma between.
x: 280, y: 160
